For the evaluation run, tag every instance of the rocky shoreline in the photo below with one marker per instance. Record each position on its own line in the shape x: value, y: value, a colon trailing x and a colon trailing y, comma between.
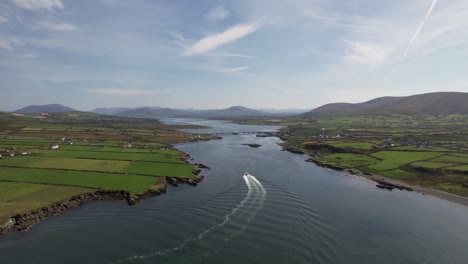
x: 23, y: 222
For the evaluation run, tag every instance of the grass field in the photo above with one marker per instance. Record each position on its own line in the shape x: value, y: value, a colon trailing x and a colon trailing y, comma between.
x: 161, y: 169
x: 395, y: 159
x: 350, y: 160
x: 106, y: 181
x: 95, y: 153
x: 26, y: 197
x: 353, y: 145
x: 153, y: 157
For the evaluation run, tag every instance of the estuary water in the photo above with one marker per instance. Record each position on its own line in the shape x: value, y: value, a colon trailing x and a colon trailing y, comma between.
x: 285, y: 210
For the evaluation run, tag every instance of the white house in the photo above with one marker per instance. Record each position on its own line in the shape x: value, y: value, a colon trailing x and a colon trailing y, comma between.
x: 53, y: 146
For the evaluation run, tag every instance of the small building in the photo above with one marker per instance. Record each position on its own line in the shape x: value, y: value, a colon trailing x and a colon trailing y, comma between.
x: 54, y: 147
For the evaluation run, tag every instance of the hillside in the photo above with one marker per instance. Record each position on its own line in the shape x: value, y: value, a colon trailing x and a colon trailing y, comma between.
x: 443, y: 103
x: 50, y: 108
x: 111, y: 111
x: 150, y: 112
x: 231, y: 112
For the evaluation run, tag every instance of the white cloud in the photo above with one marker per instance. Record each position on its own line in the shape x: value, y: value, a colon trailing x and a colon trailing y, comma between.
x: 217, y: 13
x: 212, y: 42
x: 47, y: 25
x: 39, y: 4
x: 228, y: 55
x: 124, y: 91
x: 178, y: 39
x: 8, y: 43
x: 3, y: 19
x: 368, y: 53
x: 27, y: 56
x: 232, y: 70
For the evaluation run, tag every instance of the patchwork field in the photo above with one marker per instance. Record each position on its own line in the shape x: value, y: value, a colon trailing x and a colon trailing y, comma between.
x: 425, y: 150
x: 90, y: 152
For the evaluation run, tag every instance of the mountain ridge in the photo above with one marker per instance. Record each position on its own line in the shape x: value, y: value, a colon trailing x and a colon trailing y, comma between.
x: 48, y: 108
x: 439, y: 103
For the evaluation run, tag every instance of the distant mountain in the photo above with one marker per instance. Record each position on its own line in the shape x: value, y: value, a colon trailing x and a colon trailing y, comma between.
x: 289, y: 111
x: 50, y: 108
x: 111, y: 111
x: 442, y: 103
x: 149, y: 112
x: 234, y: 111
x: 231, y: 112
x: 118, y: 110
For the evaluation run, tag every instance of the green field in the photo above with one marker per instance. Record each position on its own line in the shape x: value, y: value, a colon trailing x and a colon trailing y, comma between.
x: 350, y: 160
x: 106, y: 181
x: 67, y: 164
x: 161, y: 169
x: 153, y: 157
x: 91, y: 156
x: 431, y: 164
x: 26, y: 197
x: 395, y: 159
x: 353, y: 145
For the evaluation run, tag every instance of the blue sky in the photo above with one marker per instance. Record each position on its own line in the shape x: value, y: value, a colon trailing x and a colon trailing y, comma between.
x: 215, y: 54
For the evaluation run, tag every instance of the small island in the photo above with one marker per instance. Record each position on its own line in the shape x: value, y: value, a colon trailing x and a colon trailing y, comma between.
x: 253, y: 145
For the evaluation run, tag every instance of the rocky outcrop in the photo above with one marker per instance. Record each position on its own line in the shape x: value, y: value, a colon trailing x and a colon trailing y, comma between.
x: 6, y: 227
x: 390, y: 186
x: 253, y: 145
x: 190, y: 181
x: 202, y: 166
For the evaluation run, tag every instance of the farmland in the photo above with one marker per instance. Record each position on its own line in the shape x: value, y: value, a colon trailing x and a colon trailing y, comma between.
x: 49, y: 158
x: 430, y: 151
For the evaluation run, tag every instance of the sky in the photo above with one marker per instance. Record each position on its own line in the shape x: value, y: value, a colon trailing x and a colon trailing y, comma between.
x: 214, y: 54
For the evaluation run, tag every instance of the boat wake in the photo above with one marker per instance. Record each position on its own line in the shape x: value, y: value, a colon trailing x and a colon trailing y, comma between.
x: 234, y: 224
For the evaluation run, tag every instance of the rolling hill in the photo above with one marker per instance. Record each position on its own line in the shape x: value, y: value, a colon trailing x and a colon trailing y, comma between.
x: 442, y: 103
x: 50, y: 108
x: 231, y: 112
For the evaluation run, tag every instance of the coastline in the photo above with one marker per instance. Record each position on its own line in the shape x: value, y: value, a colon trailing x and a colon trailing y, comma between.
x: 23, y: 222
x: 393, y: 183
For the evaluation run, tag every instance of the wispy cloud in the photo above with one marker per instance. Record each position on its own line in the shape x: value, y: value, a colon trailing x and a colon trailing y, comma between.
x: 178, y: 39
x: 232, y: 70
x: 124, y: 91
x: 39, y: 4
x: 217, y: 13
x: 27, y: 56
x: 420, y: 26
x: 52, y: 26
x: 3, y: 19
x: 228, y: 55
x: 212, y: 42
x: 368, y: 53
x: 8, y: 43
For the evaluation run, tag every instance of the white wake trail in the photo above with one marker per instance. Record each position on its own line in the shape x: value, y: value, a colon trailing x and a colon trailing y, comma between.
x: 255, y: 195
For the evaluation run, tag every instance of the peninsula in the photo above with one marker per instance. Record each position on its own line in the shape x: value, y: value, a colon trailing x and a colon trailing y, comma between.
x: 51, y: 162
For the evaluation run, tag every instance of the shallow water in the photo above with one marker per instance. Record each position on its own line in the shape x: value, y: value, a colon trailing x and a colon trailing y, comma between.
x: 289, y: 211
